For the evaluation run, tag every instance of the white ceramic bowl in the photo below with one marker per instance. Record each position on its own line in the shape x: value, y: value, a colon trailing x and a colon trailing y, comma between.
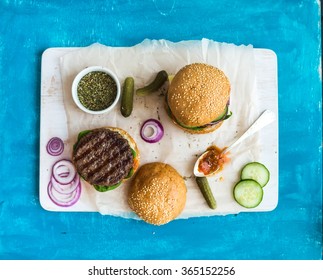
x: 81, y: 74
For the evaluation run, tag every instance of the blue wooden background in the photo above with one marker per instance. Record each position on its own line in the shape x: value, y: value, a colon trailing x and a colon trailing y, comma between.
x: 291, y: 28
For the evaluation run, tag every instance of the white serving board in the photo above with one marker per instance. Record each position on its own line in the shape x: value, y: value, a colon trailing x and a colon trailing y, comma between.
x: 54, y: 123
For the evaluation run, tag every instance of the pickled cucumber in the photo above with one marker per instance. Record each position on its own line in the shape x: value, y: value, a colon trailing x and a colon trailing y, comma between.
x: 156, y: 84
x: 127, y: 97
x: 204, y: 186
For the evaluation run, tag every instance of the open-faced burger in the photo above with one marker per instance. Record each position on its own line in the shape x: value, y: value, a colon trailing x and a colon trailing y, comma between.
x: 105, y: 157
x: 198, y: 97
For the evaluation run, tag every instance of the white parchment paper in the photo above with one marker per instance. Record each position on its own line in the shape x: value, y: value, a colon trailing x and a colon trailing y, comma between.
x: 177, y: 148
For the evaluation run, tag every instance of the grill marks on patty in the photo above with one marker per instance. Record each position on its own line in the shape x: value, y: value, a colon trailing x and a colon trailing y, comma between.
x: 103, y: 157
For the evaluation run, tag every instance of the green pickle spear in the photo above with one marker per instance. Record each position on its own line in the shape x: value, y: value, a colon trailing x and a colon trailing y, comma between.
x: 127, y: 97
x: 156, y: 84
x: 204, y: 186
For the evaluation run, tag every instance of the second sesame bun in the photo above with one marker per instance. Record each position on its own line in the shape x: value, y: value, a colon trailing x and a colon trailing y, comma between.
x: 157, y: 193
x: 198, y: 94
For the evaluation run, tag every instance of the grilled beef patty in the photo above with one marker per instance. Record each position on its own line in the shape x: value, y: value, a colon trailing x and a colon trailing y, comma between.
x: 103, y: 157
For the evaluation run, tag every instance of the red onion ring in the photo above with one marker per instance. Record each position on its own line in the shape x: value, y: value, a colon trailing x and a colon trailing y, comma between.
x: 66, y: 188
x: 158, y: 131
x: 55, y: 146
x: 64, y: 200
x: 64, y: 172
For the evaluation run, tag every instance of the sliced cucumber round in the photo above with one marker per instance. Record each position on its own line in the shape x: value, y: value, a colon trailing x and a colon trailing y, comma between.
x: 256, y: 171
x: 248, y: 193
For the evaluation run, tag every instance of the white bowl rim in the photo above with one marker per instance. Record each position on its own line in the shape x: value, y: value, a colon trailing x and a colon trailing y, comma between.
x: 87, y: 70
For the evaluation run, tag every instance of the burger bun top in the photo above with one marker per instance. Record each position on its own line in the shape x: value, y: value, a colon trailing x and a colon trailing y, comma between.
x: 157, y: 193
x: 198, y: 94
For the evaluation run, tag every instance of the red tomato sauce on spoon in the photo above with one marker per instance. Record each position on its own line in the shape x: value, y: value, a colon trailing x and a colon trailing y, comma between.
x: 212, y: 161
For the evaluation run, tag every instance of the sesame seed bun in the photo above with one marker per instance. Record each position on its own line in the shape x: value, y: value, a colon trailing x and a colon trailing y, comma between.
x: 157, y: 193
x: 197, y: 95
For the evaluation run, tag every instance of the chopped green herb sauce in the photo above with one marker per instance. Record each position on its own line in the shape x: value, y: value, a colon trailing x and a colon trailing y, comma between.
x: 97, y: 91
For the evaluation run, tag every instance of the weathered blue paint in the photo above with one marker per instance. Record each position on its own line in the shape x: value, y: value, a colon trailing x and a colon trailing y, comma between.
x: 291, y: 28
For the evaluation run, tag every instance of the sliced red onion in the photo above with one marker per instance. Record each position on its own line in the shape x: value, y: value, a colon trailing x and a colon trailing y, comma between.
x: 64, y: 200
x: 55, y: 146
x: 64, y: 172
x: 157, y: 131
x: 66, y: 188
x: 214, y: 122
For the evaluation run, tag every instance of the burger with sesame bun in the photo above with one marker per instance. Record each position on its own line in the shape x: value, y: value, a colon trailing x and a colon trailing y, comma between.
x: 198, y: 98
x: 157, y: 193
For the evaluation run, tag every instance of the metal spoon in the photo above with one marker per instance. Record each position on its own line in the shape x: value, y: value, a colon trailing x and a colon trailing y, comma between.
x: 265, y: 118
